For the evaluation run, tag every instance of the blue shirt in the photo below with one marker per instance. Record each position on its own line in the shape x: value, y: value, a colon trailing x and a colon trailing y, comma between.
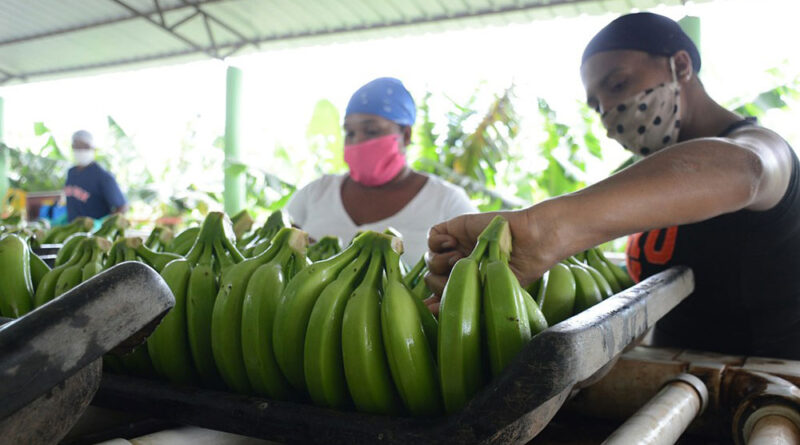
x: 91, y: 191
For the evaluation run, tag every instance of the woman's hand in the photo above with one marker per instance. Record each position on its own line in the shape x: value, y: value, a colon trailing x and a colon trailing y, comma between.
x: 531, y: 248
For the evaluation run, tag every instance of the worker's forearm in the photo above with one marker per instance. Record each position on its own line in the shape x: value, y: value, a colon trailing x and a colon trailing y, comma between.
x: 685, y: 184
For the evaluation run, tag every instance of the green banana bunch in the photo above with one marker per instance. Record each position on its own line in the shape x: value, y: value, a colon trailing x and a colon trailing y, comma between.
x: 415, y: 274
x: 325, y: 248
x: 113, y: 227
x: 414, y: 279
x: 557, y: 293
x: 180, y: 347
x: 594, y: 260
x: 227, y: 316
x: 38, y: 270
x: 156, y: 260
x: 322, y: 356
x: 258, y: 314
x: 276, y: 221
x: 508, y: 328
x: 537, y: 320
x: 168, y: 345
x: 92, y: 256
x: 183, y: 242
x: 159, y: 238
x: 365, y: 363
x: 58, y: 234
x: 67, y: 249
x: 411, y: 358
x: 16, y: 286
x: 46, y: 290
x: 120, y: 252
x: 625, y: 281
x: 295, y: 306
x: 587, y: 292
x: 460, y: 325
x: 96, y: 261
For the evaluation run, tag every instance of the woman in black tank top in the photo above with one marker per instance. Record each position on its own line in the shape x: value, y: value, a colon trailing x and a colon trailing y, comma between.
x: 713, y: 191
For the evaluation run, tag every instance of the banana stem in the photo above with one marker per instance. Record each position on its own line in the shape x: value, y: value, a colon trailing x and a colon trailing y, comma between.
x: 392, y: 264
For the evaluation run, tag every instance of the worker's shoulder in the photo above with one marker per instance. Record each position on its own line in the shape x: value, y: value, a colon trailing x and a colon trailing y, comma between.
x: 756, y: 136
x: 322, y: 185
x: 437, y: 186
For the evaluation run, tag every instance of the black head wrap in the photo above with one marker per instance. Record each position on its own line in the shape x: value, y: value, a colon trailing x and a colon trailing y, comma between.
x: 644, y: 31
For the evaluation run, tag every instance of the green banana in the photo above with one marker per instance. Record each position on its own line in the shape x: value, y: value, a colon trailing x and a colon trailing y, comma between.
x: 324, y: 248
x: 587, y: 292
x: 295, y: 306
x: 625, y: 281
x: 226, y: 318
x: 168, y: 345
x: 66, y: 250
x: 16, y: 286
x: 415, y: 274
x: 411, y: 359
x: 95, y: 263
x: 460, y: 332
x: 183, y: 242
x: 46, y: 290
x: 365, y: 364
x: 536, y: 318
x: 154, y: 240
x: 533, y: 288
x: 73, y: 275
x: 59, y: 234
x: 113, y: 227
x: 508, y: 329
x: 322, y: 356
x: 602, y: 284
x: 557, y: 294
x: 421, y: 291
x: 594, y: 260
x: 201, y: 293
x: 156, y: 260
x: 38, y: 270
x: 258, y: 313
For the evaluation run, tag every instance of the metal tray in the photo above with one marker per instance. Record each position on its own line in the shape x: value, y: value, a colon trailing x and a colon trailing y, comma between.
x: 514, y: 407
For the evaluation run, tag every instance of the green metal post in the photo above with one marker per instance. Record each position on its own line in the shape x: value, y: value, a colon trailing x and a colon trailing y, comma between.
x: 234, y: 192
x: 3, y: 163
x: 691, y: 26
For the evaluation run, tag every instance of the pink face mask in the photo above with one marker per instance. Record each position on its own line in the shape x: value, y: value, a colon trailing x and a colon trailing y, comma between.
x: 376, y: 161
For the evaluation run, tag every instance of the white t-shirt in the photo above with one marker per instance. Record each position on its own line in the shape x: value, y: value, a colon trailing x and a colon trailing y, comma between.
x: 317, y: 208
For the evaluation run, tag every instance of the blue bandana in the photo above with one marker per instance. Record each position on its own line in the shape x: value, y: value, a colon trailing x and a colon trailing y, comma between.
x: 644, y: 31
x: 385, y: 97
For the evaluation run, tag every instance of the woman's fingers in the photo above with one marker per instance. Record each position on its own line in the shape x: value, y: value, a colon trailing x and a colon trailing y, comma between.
x: 433, y: 304
x: 436, y: 283
x: 441, y: 263
x: 441, y: 242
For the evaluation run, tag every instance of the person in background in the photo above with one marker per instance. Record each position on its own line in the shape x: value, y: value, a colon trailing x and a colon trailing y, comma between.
x: 714, y: 191
x: 380, y: 190
x: 90, y: 189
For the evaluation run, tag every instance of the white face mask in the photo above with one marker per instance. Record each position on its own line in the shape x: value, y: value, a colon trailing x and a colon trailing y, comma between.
x: 83, y: 156
x: 648, y: 121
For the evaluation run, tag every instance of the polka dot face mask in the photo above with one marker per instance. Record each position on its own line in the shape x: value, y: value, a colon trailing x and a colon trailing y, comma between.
x: 649, y: 121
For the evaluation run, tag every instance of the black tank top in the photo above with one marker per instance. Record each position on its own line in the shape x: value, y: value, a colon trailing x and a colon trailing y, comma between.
x: 747, y: 277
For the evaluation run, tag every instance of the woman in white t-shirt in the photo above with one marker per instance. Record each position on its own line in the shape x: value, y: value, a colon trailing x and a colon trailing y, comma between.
x: 380, y: 190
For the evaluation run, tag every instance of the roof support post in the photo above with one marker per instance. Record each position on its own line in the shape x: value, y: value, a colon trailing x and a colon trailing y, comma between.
x: 3, y: 164
x: 234, y: 187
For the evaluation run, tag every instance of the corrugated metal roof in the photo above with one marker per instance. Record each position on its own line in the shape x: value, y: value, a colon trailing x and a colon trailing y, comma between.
x: 55, y: 38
